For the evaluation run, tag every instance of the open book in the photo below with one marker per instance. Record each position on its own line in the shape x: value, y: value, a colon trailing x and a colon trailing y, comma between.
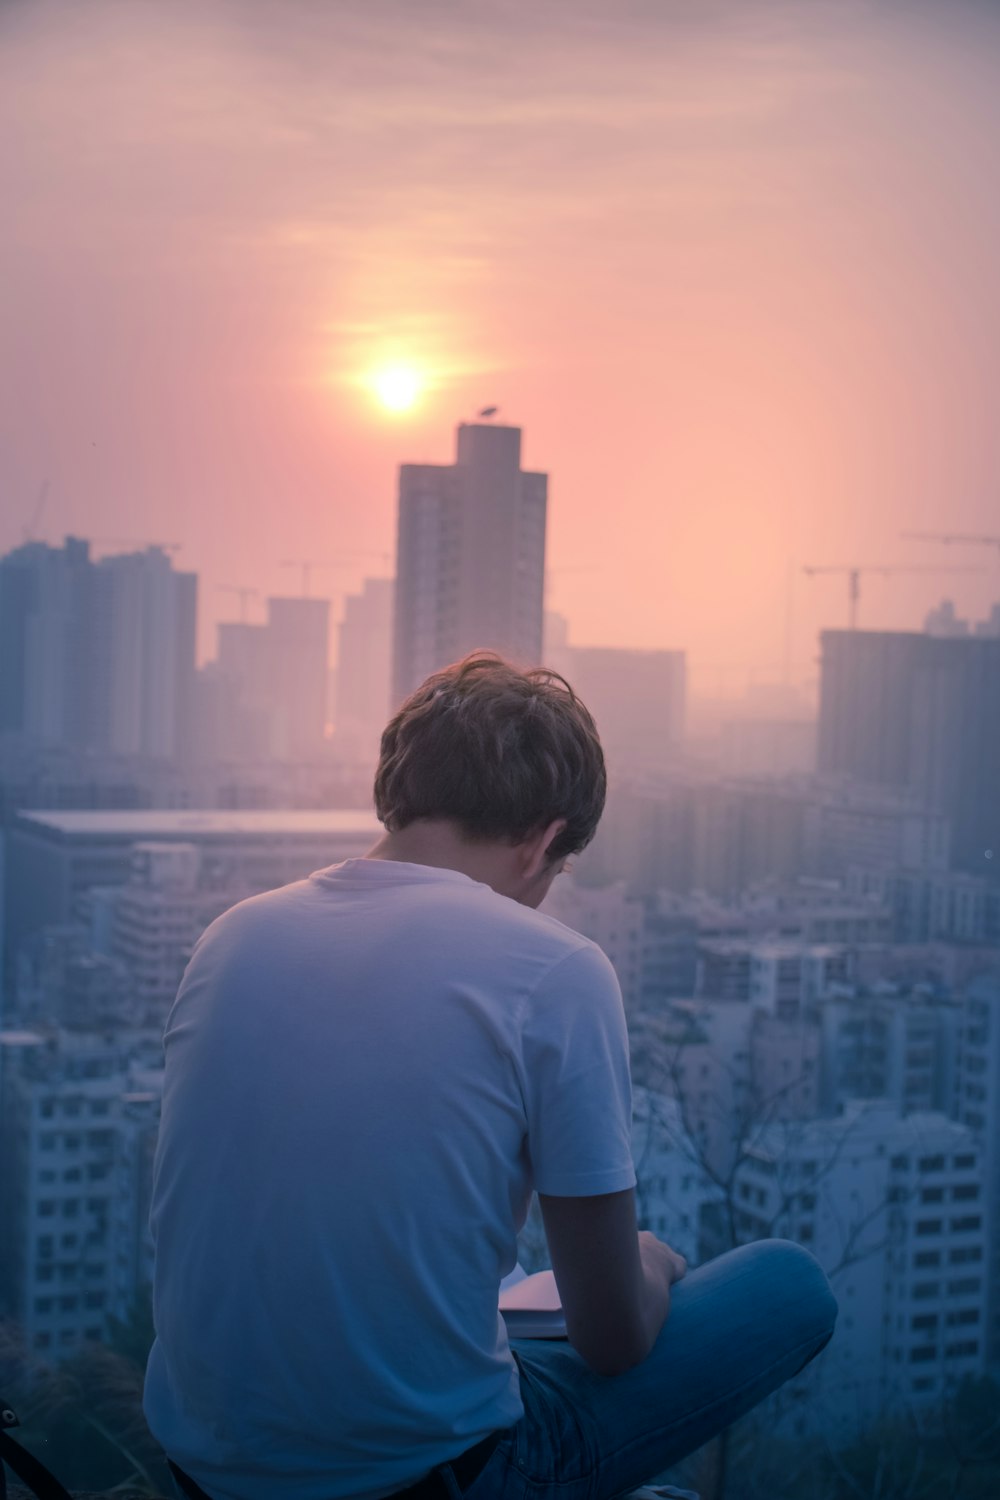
x: 531, y: 1307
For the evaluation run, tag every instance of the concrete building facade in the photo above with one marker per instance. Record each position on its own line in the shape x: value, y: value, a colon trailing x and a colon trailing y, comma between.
x: 470, y: 561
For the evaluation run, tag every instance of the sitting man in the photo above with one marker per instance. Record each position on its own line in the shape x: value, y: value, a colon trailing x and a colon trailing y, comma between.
x: 367, y: 1074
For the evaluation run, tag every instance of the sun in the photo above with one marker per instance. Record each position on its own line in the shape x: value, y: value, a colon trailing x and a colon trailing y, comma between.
x: 397, y: 387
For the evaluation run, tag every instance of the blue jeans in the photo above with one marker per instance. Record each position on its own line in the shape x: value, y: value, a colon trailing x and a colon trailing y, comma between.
x: 739, y: 1327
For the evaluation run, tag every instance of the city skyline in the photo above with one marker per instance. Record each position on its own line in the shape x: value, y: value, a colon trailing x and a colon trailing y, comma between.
x: 728, y: 267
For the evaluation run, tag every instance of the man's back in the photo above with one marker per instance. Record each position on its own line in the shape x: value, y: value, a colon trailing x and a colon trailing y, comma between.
x: 363, y: 1057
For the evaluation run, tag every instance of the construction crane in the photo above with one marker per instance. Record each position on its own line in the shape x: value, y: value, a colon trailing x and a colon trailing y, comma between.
x: 38, y: 510
x: 854, y: 572
x: 307, y: 564
x: 948, y: 537
x: 244, y: 594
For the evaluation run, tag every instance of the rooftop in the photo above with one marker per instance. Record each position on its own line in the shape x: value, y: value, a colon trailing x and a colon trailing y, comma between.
x: 169, y: 823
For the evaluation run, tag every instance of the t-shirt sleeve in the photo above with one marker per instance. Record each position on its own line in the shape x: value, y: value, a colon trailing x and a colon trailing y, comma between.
x: 577, y: 1088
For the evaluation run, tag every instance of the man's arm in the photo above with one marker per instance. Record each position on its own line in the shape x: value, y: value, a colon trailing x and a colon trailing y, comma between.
x: 613, y: 1281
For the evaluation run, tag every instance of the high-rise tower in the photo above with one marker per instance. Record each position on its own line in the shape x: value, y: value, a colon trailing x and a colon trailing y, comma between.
x: 470, y: 561
x: 920, y: 713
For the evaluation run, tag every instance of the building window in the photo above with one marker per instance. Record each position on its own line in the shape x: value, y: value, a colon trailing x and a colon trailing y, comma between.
x: 923, y: 1354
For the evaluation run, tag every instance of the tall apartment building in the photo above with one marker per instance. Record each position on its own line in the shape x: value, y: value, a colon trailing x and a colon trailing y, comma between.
x: 898, y: 1046
x: 978, y: 1107
x: 146, y: 614
x: 893, y: 1209
x: 97, y: 655
x: 470, y: 562
x: 78, y: 1112
x: 920, y: 713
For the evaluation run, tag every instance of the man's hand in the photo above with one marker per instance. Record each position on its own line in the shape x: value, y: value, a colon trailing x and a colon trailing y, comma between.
x: 614, y: 1282
x: 658, y: 1260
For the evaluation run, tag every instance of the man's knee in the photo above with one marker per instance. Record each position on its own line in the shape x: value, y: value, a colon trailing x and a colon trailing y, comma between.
x: 800, y: 1285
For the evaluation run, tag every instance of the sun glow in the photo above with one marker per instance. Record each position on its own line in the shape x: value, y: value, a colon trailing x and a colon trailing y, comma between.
x: 397, y: 387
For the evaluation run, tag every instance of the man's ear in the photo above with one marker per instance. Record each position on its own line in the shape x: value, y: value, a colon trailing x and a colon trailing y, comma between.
x: 536, y: 848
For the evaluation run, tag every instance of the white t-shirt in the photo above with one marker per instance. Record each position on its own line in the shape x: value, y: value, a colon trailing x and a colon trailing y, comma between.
x: 367, y: 1073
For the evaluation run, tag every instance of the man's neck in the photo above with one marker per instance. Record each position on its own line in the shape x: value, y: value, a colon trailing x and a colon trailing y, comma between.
x: 516, y: 870
x: 442, y: 845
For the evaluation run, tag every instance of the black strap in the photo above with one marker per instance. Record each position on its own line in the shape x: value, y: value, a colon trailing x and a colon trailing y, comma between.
x: 29, y: 1470
x: 186, y: 1483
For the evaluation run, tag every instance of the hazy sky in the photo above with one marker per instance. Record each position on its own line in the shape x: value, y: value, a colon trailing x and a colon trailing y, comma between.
x: 735, y: 267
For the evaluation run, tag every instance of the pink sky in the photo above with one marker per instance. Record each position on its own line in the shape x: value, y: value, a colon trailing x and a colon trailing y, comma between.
x: 733, y: 267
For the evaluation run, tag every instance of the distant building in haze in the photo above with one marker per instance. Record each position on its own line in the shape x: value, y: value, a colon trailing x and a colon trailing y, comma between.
x: 298, y: 632
x: 267, y: 691
x: 637, y: 698
x: 364, y: 668
x: 470, y: 556
x: 920, y: 713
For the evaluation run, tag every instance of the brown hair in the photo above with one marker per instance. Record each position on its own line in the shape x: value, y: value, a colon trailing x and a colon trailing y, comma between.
x: 501, y: 752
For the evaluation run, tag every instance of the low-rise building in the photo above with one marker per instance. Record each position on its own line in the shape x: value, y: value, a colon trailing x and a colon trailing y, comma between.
x: 893, y: 1208
x: 75, y: 1187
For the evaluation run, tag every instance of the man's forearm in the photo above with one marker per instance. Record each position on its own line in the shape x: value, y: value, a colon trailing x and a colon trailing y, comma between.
x: 657, y: 1277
